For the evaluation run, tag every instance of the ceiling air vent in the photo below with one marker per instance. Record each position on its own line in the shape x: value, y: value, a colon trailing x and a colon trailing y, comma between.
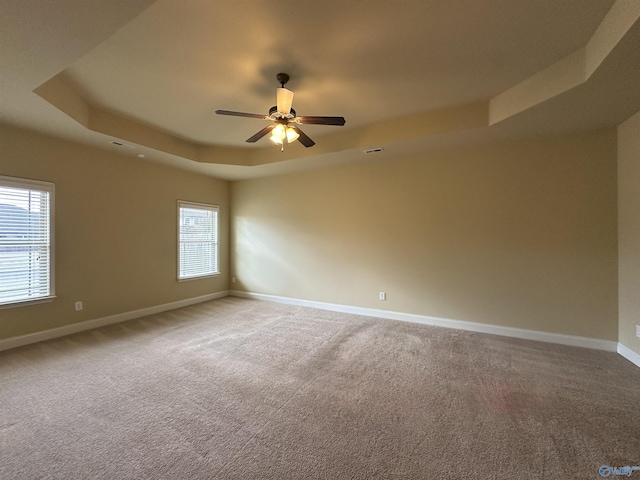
x: 373, y: 150
x: 120, y: 144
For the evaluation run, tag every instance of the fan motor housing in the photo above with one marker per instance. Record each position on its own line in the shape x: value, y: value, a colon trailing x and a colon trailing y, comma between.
x: 273, y: 113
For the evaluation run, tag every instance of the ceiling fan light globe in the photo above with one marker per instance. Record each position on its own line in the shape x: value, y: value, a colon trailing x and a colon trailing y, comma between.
x: 279, y: 131
x: 292, y: 135
x: 278, y: 134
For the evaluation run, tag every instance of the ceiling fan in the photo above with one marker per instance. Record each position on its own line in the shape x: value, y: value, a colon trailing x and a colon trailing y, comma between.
x: 284, y: 127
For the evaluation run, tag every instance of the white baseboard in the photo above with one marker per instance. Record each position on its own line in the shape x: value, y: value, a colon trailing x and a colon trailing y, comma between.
x: 13, y: 342
x: 572, y: 340
x: 629, y: 354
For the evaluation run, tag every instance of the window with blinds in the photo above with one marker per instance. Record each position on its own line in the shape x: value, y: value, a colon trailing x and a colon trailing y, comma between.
x: 197, y: 240
x: 26, y: 241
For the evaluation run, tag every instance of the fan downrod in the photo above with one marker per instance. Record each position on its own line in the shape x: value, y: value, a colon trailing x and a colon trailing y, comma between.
x: 282, y: 78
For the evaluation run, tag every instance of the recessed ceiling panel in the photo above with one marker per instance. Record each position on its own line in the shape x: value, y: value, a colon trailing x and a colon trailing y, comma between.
x: 177, y: 62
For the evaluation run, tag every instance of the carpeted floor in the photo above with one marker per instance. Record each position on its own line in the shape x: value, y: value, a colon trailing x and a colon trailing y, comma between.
x: 243, y: 389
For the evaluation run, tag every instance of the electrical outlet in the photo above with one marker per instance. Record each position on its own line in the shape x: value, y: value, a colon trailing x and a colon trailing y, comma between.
x: 638, y: 331
x: 233, y: 279
x: 383, y: 296
x: 79, y: 306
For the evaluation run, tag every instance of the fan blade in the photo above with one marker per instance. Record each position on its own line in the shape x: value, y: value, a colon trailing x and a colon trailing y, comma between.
x: 284, y: 100
x: 240, y: 114
x: 260, y: 134
x: 303, y: 138
x: 339, y: 121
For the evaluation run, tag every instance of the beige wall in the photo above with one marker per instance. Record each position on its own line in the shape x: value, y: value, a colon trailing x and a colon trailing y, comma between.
x: 520, y: 234
x: 629, y: 231
x: 517, y: 234
x: 115, y: 230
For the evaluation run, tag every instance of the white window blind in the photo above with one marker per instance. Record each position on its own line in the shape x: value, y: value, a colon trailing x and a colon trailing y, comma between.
x: 26, y: 240
x: 197, y: 240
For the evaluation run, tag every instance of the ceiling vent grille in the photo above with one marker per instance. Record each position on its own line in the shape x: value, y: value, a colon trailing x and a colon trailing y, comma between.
x: 369, y: 151
x: 120, y: 144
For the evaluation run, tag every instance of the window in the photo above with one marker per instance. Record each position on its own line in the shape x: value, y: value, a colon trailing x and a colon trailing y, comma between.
x: 26, y: 241
x: 197, y: 240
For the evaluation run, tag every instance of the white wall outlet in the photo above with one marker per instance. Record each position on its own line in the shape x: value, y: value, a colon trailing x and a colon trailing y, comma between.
x: 233, y: 279
x: 383, y: 295
x: 638, y: 331
x: 79, y: 306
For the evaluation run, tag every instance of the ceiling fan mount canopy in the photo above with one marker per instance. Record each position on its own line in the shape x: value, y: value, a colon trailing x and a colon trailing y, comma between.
x: 285, y: 118
x: 282, y: 78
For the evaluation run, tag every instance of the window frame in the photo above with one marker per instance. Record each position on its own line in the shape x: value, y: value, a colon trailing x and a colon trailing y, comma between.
x: 216, y: 242
x: 39, y: 186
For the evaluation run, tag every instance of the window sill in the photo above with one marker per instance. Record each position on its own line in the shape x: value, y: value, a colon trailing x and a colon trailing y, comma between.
x: 24, y: 303
x: 187, y: 279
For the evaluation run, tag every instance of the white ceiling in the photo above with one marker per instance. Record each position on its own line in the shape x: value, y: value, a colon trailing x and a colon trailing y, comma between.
x: 167, y: 65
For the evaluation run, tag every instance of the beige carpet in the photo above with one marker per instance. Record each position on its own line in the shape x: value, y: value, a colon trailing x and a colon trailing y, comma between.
x: 242, y: 389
